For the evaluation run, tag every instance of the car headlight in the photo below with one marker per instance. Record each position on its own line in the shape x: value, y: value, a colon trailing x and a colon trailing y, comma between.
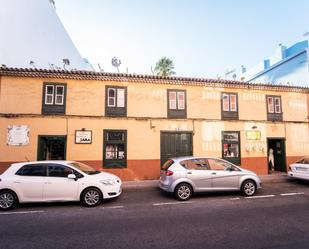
x: 108, y: 182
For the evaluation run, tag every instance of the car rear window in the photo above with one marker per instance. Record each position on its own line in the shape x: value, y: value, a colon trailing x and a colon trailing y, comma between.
x: 167, y: 164
x: 32, y: 170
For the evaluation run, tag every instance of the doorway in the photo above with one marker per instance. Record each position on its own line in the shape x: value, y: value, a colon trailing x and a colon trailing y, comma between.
x: 175, y: 144
x: 52, y: 148
x: 276, y: 156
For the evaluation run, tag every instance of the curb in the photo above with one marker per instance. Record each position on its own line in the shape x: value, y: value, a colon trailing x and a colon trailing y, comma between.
x: 138, y: 186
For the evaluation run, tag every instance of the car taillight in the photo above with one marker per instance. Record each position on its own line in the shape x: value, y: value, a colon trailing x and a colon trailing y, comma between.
x: 169, y: 173
x: 290, y: 169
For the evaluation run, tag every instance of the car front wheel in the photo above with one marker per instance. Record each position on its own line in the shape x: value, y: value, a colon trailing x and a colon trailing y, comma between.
x: 8, y: 200
x: 248, y: 188
x: 183, y: 192
x: 91, y: 197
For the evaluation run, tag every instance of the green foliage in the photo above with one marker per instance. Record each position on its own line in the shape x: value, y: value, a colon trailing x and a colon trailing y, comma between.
x: 164, y: 67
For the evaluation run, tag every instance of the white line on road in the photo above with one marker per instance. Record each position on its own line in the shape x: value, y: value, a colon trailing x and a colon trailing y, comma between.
x: 288, y: 194
x: 114, y: 207
x: 235, y: 198
x: 259, y: 196
x: 171, y: 203
x: 25, y: 212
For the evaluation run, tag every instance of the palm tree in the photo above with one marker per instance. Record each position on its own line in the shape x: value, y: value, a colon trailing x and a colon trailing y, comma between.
x: 164, y: 67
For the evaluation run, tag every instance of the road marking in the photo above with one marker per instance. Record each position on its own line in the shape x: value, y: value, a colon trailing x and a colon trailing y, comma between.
x: 259, y: 196
x: 171, y: 203
x: 24, y: 212
x: 114, y: 207
x: 288, y: 194
x: 235, y: 198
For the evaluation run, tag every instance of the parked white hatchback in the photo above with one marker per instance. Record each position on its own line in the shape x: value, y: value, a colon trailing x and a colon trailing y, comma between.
x: 300, y: 169
x: 53, y: 181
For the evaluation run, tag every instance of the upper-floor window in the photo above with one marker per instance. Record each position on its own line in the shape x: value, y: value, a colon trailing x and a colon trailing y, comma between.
x: 54, y: 95
x: 116, y: 100
x: 274, y: 108
x: 176, y: 104
x: 229, y: 106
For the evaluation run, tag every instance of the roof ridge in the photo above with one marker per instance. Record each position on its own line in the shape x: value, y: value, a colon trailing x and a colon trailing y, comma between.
x: 84, y: 74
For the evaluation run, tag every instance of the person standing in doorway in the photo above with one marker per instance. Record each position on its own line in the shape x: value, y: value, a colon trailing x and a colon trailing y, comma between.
x: 271, y: 160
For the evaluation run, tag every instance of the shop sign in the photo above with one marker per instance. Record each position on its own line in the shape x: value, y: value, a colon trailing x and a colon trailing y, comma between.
x: 253, y: 135
x: 18, y: 135
x: 83, y: 137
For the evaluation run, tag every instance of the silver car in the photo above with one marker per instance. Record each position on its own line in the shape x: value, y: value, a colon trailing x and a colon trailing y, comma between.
x: 186, y: 175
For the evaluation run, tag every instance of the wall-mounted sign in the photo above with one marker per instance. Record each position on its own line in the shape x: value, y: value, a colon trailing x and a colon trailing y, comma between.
x: 253, y: 135
x: 83, y: 137
x: 18, y: 135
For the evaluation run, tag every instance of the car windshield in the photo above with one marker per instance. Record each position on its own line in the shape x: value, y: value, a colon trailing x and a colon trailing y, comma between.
x: 85, y: 168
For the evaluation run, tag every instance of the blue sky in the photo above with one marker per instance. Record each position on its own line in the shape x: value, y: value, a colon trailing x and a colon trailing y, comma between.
x: 204, y: 38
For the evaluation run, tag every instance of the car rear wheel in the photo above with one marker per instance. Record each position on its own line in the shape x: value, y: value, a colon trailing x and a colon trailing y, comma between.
x: 91, y: 197
x: 8, y: 200
x: 183, y: 192
x: 248, y: 188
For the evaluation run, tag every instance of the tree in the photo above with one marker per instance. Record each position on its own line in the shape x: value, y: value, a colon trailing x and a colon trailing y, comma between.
x: 164, y: 67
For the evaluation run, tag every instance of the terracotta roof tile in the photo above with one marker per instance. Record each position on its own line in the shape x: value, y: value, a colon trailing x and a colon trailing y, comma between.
x: 141, y: 78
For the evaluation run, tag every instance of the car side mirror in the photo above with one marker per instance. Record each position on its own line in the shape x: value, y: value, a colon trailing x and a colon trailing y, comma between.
x: 72, y: 176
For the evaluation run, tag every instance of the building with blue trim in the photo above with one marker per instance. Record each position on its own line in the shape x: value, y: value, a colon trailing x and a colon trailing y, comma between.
x: 288, y: 66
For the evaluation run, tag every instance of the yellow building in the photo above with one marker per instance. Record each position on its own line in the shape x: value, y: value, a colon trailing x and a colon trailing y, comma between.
x: 130, y: 124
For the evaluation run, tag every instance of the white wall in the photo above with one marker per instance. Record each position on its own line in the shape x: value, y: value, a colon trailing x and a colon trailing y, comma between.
x: 32, y: 31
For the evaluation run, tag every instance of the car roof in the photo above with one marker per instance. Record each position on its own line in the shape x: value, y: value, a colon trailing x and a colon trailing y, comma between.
x: 43, y: 162
x: 178, y: 159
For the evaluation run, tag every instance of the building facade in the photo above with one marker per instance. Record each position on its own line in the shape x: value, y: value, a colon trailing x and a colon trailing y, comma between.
x: 288, y: 66
x: 130, y: 124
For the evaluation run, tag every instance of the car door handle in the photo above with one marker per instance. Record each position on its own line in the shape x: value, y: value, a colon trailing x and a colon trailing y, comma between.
x: 47, y: 183
x: 190, y: 173
x: 213, y: 173
x: 16, y: 181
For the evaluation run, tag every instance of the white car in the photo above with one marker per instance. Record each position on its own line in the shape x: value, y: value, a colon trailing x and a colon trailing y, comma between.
x: 300, y: 169
x: 49, y: 181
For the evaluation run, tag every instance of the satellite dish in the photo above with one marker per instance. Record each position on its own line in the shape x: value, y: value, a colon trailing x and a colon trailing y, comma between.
x: 116, y: 63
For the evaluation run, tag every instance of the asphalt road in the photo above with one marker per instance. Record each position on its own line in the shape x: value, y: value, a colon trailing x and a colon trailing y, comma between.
x: 277, y: 217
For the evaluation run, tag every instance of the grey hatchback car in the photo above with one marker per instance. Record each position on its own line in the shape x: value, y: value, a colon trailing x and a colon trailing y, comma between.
x: 184, y: 176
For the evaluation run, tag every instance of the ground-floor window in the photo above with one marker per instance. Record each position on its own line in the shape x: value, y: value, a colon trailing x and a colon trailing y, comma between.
x: 115, y: 149
x: 51, y: 147
x: 231, y: 146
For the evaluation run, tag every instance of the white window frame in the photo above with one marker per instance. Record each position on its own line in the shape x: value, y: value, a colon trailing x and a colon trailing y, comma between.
x: 121, y: 99
x: 178, y: 100
x: 56, y: 95
x: 48, y: 94
x: 230, y: 103
x: 270, y: 107
x: 275, y: 106
x: 172, y: 102
x: 108, y: 97
x: 226, y: 99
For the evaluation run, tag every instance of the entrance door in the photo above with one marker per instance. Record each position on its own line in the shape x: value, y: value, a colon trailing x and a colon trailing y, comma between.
x: 52, y: 148
x: 276, y: 146
x: 175, y: 144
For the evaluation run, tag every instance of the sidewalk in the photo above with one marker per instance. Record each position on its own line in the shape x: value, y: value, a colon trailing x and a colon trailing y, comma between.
x: 138, y: 186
